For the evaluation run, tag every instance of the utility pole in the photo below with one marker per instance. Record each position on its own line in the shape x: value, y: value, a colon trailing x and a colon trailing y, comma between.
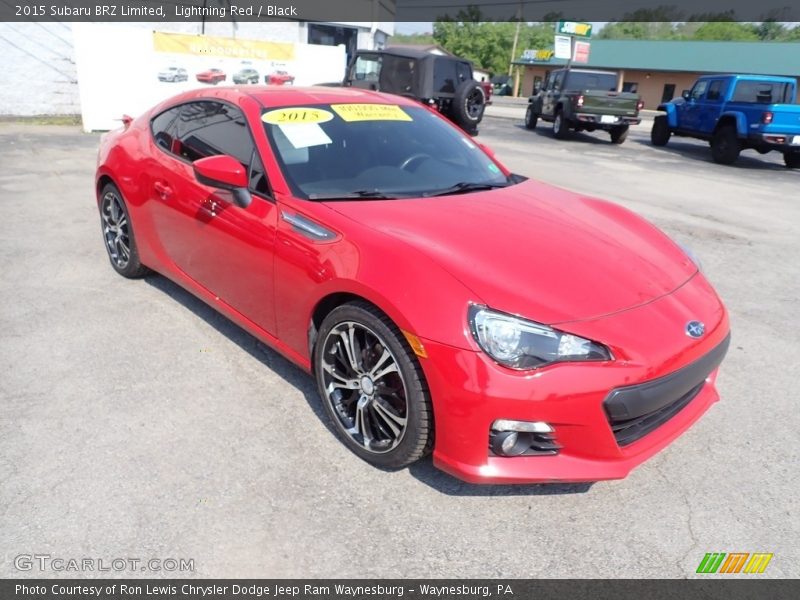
x: 516, y: 40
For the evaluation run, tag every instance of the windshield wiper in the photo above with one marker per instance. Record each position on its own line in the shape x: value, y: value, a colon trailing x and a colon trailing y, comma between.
x: 365, y: 194
x: 464, y: 187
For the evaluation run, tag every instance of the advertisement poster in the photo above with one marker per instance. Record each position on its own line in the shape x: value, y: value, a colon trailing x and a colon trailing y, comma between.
x: 126, y: 70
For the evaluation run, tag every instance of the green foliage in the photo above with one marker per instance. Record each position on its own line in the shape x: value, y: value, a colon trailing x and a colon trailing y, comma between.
x: 698, y: 27
x: 415, y: 39
x: 488, y: 44
x: 726, y: 31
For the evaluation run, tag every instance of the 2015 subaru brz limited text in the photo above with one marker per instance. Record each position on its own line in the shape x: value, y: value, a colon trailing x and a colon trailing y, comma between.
x: 520, y: 332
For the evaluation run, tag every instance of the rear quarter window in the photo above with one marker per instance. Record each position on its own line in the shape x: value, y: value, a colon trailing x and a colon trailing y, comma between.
x: 761, y: 92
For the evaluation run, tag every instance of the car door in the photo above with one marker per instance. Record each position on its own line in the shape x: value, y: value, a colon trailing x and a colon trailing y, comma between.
x: 226, y: 249
x: 709, y: 105
x: 552, y: 93
x: 689, y: 111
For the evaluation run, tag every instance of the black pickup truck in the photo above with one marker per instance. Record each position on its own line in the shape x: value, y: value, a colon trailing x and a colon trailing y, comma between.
x: 584, y: 100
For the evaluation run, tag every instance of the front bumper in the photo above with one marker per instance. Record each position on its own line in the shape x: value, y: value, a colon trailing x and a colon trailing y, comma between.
x: 470, y: 392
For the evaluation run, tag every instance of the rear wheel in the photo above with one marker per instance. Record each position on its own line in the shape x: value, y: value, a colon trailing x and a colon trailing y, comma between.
x: 660, y: 134
x: 560, y: 128
x: 531, y: 118
x: 619, y: 134
x: 725, y: 145
x: 372, y: 387
x: 118, y: 234
x: 792, y: 159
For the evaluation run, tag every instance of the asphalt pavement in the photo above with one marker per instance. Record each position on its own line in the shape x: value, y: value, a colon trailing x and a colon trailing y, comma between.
x: 135, y: 422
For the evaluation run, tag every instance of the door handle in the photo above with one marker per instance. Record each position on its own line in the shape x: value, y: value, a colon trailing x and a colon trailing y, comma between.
x: 162, y: 189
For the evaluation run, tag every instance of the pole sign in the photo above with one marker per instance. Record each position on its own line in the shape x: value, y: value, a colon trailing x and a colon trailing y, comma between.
x: 563, y: 47
x: 574, y: 28
x: 581, y: 52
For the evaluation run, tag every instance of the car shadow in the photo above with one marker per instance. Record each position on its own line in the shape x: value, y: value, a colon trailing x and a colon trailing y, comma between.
x: 423, y: 471
x: 544, y: 130
x: 700, y: 151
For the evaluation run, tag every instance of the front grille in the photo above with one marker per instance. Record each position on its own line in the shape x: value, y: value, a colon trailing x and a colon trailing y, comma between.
x: 636, y: 410
x: 627, y: 431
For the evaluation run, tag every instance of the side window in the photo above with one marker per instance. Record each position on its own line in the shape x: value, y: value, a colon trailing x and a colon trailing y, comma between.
x: 367, y: 68
x: 163, y: 128
x: 200, y: 129
x: 761, y: 92
x: 558, y: 80
x: 208, y: 128
x: 464, y: 72
x: 714, y: 91
x: 397, y: 75
x: 444, y: 76
x: 698, y: 90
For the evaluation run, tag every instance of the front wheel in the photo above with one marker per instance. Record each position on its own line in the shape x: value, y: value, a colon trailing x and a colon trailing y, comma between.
x: 792, y: 160
x: 560, y: 128
x: 619, y: 134
x: 531, y: 118
x: 372, y: 387
x: 725, y: 145
x: 660, y: 134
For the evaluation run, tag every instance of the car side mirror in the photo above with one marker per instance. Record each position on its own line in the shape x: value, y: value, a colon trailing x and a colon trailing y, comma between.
x: 685, y: 94
x: 226, y: 173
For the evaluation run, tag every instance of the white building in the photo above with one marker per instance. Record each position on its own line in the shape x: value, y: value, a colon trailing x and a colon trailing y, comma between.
x: 40, y: 78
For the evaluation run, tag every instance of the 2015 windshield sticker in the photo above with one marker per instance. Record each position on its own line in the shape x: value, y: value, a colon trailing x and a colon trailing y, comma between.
x: 288, y: 116
x: 370, y: 112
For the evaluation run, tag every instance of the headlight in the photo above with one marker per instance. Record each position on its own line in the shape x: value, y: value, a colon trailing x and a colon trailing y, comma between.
x: 521, y: 344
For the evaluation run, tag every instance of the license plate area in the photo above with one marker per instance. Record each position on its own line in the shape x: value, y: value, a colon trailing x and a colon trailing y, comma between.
x: 796, y: 140
x: 611, y: 119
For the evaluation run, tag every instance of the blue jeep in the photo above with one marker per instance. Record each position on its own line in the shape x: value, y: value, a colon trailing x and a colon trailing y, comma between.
x: 735, y: 112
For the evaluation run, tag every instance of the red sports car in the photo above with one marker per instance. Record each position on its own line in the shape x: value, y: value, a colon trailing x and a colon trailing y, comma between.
x: 279, y: 78
x: 212, y: 76
x: 520, y: 332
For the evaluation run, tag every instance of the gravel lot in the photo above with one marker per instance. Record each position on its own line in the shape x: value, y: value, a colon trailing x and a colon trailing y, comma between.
x: 136, y: 422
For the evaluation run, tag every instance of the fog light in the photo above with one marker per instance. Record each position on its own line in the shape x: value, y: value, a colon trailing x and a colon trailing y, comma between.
x: 522, y: 426
x: 510, y: 443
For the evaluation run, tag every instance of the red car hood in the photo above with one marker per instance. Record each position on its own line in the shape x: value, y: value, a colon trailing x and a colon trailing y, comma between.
x: 534, y: 250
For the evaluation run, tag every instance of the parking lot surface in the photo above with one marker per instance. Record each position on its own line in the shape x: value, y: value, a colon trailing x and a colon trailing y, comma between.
x: 137, y: 422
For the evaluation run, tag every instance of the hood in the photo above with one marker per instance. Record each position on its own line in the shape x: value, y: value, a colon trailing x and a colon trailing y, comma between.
x: 534, y: 250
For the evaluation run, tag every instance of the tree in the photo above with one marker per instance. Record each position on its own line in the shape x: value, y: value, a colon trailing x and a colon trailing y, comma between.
x: 726, y: 31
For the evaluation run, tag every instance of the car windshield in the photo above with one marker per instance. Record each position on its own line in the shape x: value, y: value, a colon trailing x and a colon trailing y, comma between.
x: 375, y: 151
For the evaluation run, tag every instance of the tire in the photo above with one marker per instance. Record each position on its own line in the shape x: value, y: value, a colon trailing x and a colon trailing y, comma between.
x: 395, y: 428
x: 560, y: 127
x: 531, y: 118
x: 725, y: 145
x: 619, y: 134
x: 115, y: 223
x: 468, y: 105
x: 791, y: 160
x: 660, y: 133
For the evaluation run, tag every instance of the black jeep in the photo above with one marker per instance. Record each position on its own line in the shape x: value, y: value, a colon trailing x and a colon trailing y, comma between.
x: 430, y: 76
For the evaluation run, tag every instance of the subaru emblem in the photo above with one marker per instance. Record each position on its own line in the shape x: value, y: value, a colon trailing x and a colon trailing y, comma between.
x: 695, y: 329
